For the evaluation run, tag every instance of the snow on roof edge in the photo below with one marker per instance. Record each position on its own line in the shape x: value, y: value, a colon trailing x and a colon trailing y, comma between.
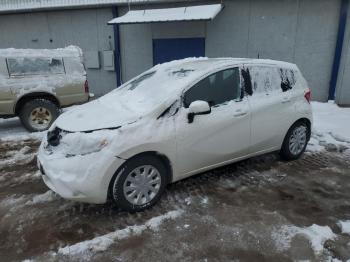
x: 189, y: 13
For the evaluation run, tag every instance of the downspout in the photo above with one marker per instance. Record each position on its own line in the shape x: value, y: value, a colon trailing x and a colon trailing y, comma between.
x: 339, y: 48
x: 117, y: 56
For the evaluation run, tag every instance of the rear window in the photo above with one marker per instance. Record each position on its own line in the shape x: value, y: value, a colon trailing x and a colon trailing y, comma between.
x: 35, y: 66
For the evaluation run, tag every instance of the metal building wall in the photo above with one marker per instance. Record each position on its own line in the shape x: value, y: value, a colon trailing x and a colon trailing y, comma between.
x: 86, y: 28
x: 299, y: 31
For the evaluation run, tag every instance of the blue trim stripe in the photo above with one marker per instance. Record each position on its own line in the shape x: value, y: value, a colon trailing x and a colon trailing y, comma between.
x: 338, y: 48
x: 117, y: 56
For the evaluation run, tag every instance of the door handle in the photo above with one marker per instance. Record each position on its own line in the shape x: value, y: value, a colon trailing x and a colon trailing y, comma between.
x: 240, y: 113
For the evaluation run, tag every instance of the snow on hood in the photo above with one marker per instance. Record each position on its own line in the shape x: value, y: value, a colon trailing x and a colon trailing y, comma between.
x: 148, y: 94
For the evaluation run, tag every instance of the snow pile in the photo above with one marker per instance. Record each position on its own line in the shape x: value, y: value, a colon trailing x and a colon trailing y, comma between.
x: 103, y: 242
x: 344, y: 226
x: 11, y: 129
x: 204, y: 200
x: 317, y: 236
x: 45, y: 197
x: 331, y: 126
x: 9, y: 178
x: 16, y: 157
x: 12, y: 200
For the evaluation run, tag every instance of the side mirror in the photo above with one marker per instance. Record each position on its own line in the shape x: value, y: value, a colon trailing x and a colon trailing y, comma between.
x: 198, y: 107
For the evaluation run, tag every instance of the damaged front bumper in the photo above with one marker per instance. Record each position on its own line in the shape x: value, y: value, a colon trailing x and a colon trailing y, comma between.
x: 80, y: 178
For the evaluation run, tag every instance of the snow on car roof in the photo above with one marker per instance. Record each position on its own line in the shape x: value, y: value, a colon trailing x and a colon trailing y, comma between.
x: 148, y: 94
x: 209, y: 64
x: 165, y: 81
x: 69, y: 51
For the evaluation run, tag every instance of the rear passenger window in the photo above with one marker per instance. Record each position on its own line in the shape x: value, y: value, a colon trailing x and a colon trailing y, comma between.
x: 288, y: 79
x: 216, y: 89
x: 265, y: 80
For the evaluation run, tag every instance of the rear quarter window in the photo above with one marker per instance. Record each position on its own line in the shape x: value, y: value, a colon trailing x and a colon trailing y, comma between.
x: 265, y: 80
x: 22, y: 66
x: 268, y: 79
x: 288, y: 79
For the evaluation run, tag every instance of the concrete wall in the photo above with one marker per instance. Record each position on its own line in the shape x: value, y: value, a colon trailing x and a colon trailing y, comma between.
x: 86, y: 28
x: 343, y: 83
x: 299, y: 31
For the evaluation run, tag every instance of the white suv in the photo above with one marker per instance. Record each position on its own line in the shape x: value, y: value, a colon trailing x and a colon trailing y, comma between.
x: 173, y: 121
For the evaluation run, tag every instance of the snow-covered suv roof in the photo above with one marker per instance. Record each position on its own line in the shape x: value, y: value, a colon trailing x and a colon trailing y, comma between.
x: 69, y: 51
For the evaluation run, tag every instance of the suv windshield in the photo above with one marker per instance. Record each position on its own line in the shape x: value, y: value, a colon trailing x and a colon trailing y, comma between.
x: 20, y: 66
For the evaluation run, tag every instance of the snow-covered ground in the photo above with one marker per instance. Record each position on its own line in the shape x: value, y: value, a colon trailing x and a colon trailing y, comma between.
x: 261, y: 209
x: 11, y: 129
x: 331, y: 126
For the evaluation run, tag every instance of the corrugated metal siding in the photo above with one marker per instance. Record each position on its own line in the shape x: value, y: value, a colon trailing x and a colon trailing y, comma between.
x: 26, y: 5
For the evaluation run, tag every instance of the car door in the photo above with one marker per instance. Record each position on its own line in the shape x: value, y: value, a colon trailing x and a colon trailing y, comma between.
x: 270, y: 108
x: 221, y: 135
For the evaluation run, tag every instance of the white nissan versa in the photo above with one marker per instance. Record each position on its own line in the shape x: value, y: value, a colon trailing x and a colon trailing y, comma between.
x: 173, y: 121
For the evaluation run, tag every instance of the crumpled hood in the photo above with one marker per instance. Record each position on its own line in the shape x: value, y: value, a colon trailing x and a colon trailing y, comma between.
x: 96, y: 115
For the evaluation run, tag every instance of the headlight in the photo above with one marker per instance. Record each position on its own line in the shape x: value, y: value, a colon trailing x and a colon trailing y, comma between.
x: 73, y: 144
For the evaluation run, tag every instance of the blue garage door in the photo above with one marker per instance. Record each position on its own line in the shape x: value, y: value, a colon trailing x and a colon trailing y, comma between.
x: 165, y: 50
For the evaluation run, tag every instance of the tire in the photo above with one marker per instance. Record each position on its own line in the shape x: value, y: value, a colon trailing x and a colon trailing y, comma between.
x: 295, y: 141
x: 38, y: 114
x: 123, y: 190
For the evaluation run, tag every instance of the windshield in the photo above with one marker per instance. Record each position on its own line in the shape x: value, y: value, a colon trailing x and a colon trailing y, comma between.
x: 134, y: 83
x: 161, y: 84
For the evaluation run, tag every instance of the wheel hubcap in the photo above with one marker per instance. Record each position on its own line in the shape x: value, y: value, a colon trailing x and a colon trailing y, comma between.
x: 40, y: 118
x: 142, y: 185
x: 297, y: 140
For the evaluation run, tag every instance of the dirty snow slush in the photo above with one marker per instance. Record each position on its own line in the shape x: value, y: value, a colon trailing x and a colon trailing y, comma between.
x: 259, y: 209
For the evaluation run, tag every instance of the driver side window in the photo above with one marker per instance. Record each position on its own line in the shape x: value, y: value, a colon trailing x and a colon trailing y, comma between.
x: 216, y: 89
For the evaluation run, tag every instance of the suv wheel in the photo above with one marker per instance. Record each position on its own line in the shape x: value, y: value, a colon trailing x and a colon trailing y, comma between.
x: 38, y: 114
x: 139, y: 184
x: 295, y: 142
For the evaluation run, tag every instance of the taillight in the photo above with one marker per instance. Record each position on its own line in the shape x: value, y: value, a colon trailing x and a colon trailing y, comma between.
x: 86, y: 86
x: 308, y: 96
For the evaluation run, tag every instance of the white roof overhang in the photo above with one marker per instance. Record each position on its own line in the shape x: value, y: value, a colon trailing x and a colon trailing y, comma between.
x: 190, y: 13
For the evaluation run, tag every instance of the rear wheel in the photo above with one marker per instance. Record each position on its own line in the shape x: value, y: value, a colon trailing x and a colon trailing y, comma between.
x: 38, y: 114
x: 139, y: 184
x: 295, y: 142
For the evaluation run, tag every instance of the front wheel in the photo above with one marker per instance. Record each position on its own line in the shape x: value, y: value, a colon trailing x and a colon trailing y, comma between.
x: 38, y: 114
x: 295, y: 142
x: 139, y: 184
